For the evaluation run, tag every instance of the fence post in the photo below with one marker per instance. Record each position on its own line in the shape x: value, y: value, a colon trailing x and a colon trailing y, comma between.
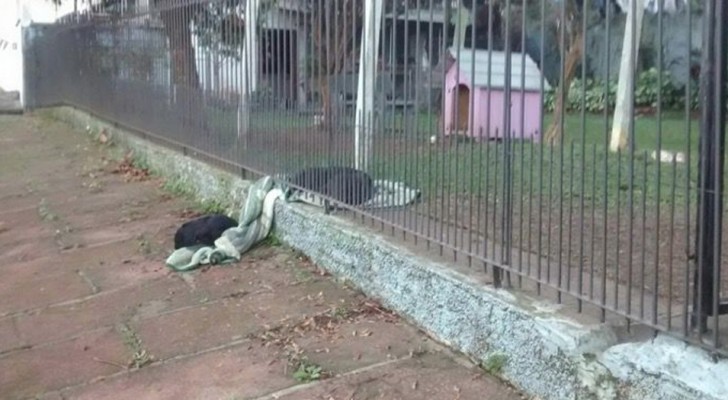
x: 30, y: 61
x: 706, y: 295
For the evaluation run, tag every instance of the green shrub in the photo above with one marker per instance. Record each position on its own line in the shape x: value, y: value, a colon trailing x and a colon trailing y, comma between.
x: 591, y: 94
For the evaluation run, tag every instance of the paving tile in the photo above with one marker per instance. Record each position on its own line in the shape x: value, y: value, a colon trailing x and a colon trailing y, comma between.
x: 53, y: 367
x: 195, y: 329
x: 9, y: 336
x: 243, y: 372
x: 103, y: 310
x: 430, y: 376
x: 105, y: 265
x: 43, y: 291
x: 360, y: 343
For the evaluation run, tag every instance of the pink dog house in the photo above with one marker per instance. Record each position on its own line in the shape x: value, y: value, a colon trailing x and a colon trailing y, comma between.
x: 526, y: 95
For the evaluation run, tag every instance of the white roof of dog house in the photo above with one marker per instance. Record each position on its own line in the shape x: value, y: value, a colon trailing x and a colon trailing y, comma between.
x: 498, y: 71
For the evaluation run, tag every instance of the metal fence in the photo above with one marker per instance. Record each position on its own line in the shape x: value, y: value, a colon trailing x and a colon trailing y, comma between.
x: 572, y: 149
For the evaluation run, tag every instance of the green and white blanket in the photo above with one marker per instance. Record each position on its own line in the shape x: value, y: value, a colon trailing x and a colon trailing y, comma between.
x: 255, y: 222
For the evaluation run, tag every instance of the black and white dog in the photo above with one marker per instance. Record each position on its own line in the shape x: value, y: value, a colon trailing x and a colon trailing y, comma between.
x: 346, y: 185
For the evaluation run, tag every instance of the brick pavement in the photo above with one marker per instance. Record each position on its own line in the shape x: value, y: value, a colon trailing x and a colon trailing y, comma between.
x: 89, y: 311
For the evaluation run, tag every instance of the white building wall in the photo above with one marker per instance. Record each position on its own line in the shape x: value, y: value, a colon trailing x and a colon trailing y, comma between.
x: 15, y: 14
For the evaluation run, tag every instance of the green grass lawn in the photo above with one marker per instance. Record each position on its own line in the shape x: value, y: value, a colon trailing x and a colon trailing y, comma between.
x: 673, y: 131
x: 580, y: 166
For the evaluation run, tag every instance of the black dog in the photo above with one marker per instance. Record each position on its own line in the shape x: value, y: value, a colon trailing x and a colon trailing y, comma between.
x: 343, y: 184
x: 202, y: 231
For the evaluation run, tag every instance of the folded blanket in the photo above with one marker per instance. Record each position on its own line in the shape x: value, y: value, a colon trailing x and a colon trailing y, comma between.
x: 255, y: 222
x: 387, y: 194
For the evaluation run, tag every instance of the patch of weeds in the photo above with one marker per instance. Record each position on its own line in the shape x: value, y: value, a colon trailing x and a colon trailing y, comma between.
x: 300, y: 255
x: 45, y: 212
x: 494, y: 363
x: 296, y: 360
x: 140, y: 356
x: 95, y: 187
x: 141, y: 162
x: 418, y: 352
x: 302, y: 275
x: 60, y: 236
x: 31, y: 187
x: 606, y: 380
x: 348, y: 285
x: 342, y: 312
x: 272, y: 241
x: 129, y: 169
x: 307, y: 372
x: 211, y: 207
x: 140, y: 359
x: 133, y: 215
x: 177, y: 187
x: 145, y: 245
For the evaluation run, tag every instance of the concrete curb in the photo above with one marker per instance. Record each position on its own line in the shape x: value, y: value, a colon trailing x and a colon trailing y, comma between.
x: 541, y: 352
x: 10, y: 103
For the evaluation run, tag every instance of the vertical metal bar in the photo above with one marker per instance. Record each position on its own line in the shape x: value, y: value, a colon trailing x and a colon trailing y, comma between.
x: 643, y: 241
x: 617, y: 243
x: 532, y: 162
x: 492, y: 134
x: 507, y: 216
x: 670, y: 246
x: 592, y: 248
x: 719, y: 128
x: 561, y: 117
x: 332, y: 49
x: 522, y: 153
x: 417, y: 133
x: 582, y: 170
x: 394, y: 76
x: 489, y: 137
x: 452, y: 157
x: 389, y: 119
x: 431, y: 117
x: 474, y: 137
x: 539, y: 257
x: 443, y: 101
x: 605, y: 211
x: 569, y: 221
x: 710, y: 194
x: 688, y: 163
x: 630, y: 200
x: 403, y: 220
x: 658, y: 169
x: 325, y: 81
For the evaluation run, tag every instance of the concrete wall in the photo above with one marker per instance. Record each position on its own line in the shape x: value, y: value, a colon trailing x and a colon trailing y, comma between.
x: 542, y: 351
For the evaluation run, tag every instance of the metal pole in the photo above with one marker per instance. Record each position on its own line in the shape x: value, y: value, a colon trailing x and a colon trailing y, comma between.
x: 706, y: 301
x: 368, y: 62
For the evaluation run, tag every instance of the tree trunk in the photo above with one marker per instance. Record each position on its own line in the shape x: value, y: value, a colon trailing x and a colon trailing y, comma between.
x: 326, y: 104
x: 177, y: 29
x: 622, y: 123
x: 573, y: 57
x: 188, y: 101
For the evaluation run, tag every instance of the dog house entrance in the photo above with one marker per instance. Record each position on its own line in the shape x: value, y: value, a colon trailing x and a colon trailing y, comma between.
x: 463, y: 104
